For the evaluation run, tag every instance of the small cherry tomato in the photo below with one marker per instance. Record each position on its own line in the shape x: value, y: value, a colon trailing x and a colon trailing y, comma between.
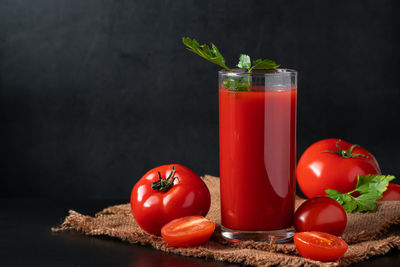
x: 321, y: 214
x: 392, y: 193
x: 166, y: 193
x: 320, y: 246
x: 334, y: 164
x: 188, y: 231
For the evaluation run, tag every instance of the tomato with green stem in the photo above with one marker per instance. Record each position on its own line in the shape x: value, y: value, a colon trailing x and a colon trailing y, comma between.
x: 166, y: 193
x: 333, y: 164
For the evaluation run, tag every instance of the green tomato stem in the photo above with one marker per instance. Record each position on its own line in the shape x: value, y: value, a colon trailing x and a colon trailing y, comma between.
x: 164, y: 185
x: 346, y: 153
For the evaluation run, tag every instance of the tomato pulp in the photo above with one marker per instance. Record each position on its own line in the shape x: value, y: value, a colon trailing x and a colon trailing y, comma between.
x: 257, y: 158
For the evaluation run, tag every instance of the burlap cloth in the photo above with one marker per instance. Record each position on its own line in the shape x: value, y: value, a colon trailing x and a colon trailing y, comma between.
x: 368, y: 234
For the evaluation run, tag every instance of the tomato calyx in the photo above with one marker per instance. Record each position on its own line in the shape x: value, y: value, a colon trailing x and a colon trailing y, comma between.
x: 164, y: 185
x: 346, y: 153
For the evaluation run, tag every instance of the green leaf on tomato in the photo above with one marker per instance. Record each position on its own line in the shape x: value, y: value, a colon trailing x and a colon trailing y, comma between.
x: 370, y: 187
x: 350, y: 206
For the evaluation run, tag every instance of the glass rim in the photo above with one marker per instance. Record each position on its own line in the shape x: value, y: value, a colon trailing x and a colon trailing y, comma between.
x: 278, y: 71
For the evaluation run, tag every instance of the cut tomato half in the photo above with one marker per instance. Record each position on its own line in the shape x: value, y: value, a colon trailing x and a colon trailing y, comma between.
x: 320, y: 246
x: 187, y: 231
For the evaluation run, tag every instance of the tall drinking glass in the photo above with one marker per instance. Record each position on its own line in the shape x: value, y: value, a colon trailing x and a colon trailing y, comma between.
x: 257, y: 131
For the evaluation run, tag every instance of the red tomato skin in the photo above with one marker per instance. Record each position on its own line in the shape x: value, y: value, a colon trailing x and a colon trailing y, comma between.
x: 318, y: 170
x: 392, y: 193
x: 152, y: 209
x: 194, y: 236
x: 321, y: 214
x: 315, y: 249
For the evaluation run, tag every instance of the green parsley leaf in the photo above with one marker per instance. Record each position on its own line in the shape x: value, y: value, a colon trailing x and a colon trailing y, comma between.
x: 372, y: 181
x: 336, y: 195
x: 371, y: 188
x: 211, y: 53
x: 235, y: 85
x: 264, y: 64
x: 367, y: 202
x: 350, y: 206
x: 244, y: 62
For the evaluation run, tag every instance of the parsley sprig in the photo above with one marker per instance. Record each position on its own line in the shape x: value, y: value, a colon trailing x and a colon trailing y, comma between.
x: 212, y: 54
x: 245, y: 63
x: 370, y: 187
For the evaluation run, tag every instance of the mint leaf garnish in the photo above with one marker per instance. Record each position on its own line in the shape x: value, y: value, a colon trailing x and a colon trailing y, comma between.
x: 371, y: 188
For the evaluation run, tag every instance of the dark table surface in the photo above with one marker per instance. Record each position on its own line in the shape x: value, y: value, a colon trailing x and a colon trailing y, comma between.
x: 26, y: 240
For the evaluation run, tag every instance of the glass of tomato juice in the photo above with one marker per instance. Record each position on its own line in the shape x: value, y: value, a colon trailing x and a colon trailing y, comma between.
x: 257, y: 131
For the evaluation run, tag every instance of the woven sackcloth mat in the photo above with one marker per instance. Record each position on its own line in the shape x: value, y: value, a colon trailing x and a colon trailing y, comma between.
x: 369, y: 234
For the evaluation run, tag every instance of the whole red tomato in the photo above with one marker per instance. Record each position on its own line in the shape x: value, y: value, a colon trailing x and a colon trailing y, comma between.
x: 334, y: 164
x: 321, y: 214
x: 166, y: 193
x: 392, y: 193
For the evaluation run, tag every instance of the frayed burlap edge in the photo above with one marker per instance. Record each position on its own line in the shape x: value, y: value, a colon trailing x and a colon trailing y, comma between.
x: 210, y: 250
x: 117, y: 221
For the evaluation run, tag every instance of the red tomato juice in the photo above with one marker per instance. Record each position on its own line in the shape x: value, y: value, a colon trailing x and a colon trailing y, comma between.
x: 257, y: 158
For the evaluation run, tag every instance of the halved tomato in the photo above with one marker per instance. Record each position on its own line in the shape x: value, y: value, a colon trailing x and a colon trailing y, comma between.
x: 187, y: 231
x: 320, y: 246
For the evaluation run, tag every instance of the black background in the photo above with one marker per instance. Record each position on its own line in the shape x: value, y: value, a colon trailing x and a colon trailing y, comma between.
x: 95, y: 93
